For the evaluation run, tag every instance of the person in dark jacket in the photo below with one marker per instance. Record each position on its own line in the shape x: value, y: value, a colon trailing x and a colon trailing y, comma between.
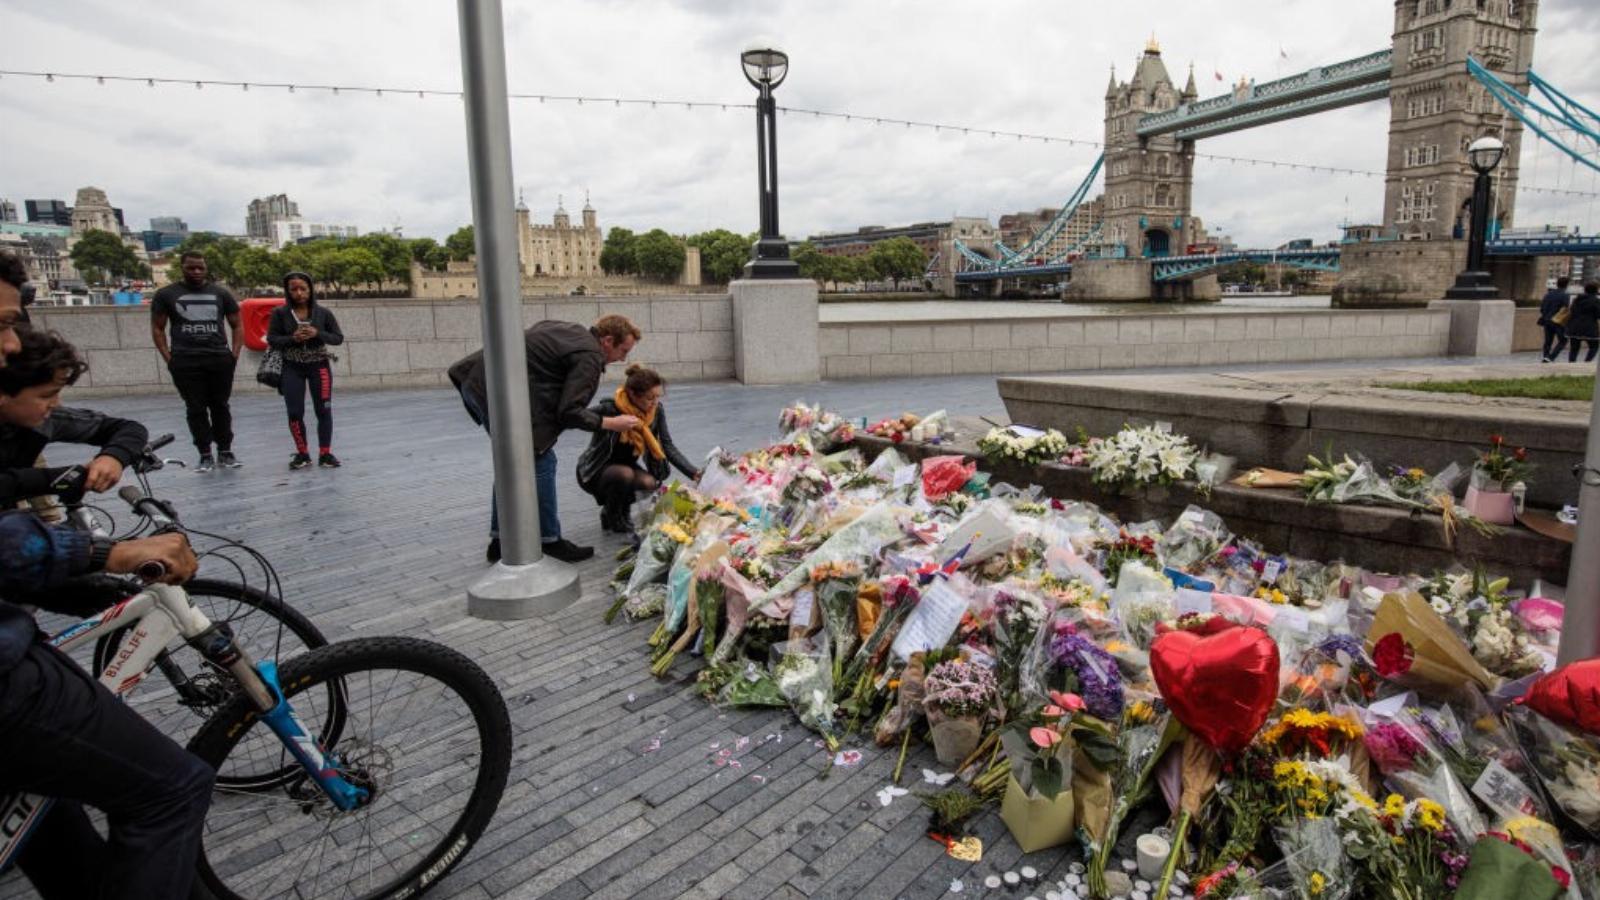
x: 201, y: 355
x: 619, y: 466
x: 1584, y: 323
x: 31, y: 417
x: 564, y: 362
x: 1555, y: 333
x: 303, y: 330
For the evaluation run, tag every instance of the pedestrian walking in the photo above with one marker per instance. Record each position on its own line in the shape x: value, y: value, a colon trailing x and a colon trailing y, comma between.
x: 1583, y: 325
x: 1550, y: 308
x: 200, y: 356
x: 303, y: 330
x: 618, y: 466
x: 564, y: 363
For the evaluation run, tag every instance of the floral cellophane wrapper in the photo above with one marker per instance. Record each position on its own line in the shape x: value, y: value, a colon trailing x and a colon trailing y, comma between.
x: 863, y: 538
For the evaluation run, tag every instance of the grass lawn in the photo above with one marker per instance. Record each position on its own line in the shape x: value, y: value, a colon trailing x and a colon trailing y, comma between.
x: 1547, y: 387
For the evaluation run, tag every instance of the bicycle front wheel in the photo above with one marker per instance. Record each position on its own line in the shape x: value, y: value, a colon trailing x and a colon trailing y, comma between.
x: 424, y: 731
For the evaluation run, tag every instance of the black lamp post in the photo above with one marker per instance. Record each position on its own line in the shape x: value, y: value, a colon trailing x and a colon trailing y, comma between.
x: 1474, y: 283
x: 765, y: 67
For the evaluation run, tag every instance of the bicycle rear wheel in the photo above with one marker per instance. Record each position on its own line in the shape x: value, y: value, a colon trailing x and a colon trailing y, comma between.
x: 424, y: 730
x: 185, y: 691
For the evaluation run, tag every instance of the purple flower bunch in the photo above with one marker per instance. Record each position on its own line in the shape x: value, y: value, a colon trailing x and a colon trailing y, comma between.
x: 1392, y: 747
x: 1099, y: 680
x: 960, y: 689
x: 1454, y: 864
x: 1349, y: 644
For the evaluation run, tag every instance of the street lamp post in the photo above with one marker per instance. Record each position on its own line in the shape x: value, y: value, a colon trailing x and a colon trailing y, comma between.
x: 1474, y: 283
x: 765, y: 67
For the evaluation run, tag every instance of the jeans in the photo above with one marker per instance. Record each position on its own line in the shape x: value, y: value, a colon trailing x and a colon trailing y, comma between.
x: 296, y: 378
x: 1556, y: 335
x: 544, y: 478
x: 205, y: 383
x: 63, y: 735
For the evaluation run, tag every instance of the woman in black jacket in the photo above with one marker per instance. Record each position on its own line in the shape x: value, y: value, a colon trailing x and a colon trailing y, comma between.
x: 1583, y: 324
x: 303, y: 330
x: 617, y: 467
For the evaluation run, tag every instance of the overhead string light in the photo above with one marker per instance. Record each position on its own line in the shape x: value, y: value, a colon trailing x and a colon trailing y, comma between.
x: 654, y: 102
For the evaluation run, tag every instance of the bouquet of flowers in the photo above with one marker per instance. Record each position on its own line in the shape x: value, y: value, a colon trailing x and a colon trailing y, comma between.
x: 1500, y: 467
x: 1015, y: 618
x: 1028, y: 446
x: 1566, y: 763
x: 1141, y: 742
x: 1321, y: 481
x: 1140, y: 456
x: 835, y: 585
x: 805, y: 679
x: 959, y: 696
x: 1194, y: 537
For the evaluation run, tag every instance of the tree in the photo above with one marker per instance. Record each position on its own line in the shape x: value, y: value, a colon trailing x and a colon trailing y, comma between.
x: 898, y: 258
x: 813, y: 264
x: 255, y: 267
x: 393, y: 254
x: 359, y: 265
x: 658, y: 255
x: 426, y: 251
x: 616, y: 255
x: 99, y: 255
x: 462, y: 244
x: 723, y: 254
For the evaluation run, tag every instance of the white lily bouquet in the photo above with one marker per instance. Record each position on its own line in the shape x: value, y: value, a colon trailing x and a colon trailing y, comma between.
x: 1140, y: 456
x: 1023, y: 444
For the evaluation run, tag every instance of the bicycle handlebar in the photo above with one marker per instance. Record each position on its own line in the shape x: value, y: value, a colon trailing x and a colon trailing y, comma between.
x: 157, y: 512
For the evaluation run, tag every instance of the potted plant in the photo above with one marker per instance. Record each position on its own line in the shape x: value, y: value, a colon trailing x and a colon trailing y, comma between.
x: 959, y: 696
x: 1489, y: 489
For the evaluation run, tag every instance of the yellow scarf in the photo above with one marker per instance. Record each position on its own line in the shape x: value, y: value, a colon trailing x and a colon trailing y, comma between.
x: 640, y: 438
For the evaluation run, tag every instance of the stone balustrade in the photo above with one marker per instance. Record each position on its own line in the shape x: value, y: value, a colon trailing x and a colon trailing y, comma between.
x: 409, y: 343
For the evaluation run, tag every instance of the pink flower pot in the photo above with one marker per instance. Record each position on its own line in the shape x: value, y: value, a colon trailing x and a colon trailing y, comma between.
x: 1494, y: 507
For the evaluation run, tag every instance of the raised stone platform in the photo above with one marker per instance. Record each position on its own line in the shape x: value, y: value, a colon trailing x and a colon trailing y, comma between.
x: 1275, y: 419
x: 1372, y: 537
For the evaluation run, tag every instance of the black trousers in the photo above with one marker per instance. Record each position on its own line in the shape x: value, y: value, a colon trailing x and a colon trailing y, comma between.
x: 319, y: 378
x: 1572, y: 348
x: 1555, y: 340
x: 65, y: 736
x: 205, y: 383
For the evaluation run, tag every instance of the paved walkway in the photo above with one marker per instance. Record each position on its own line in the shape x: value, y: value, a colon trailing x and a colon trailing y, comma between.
x: 615, y: 791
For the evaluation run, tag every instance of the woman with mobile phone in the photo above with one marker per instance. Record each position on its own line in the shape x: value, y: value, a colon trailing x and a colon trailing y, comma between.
x: 303, y: 330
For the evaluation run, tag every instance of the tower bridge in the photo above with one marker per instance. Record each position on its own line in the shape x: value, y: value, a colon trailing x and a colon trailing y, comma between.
x: 1437, y: 107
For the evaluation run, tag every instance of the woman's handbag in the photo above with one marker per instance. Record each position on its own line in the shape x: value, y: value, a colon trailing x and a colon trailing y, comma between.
x: 270, y: 372
x: 1562, y: 315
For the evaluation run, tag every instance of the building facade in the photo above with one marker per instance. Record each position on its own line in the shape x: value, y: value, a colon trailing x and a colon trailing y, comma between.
x: 1018, y: 229
x: 263, y: 211
x: 1148, y: 183
x: 559, y: 250
x: 93, y: 212
x: 48, y: 212
x: 1436, y: 108
x: 283, y: 232
x: 932, y: 237
x: 8, y: 211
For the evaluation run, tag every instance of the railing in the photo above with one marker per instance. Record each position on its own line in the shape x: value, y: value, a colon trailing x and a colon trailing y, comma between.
x: 1174, y: 268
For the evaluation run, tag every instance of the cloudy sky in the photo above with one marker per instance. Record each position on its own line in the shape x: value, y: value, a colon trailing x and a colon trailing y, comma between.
x: 1036, y: 66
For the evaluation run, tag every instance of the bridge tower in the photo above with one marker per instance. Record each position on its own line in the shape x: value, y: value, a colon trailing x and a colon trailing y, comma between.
x: 1435, y: 110
x: 1148, y: 181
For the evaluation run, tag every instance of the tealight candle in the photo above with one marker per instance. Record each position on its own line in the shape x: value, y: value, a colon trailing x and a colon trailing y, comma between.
x: 1153, y: 851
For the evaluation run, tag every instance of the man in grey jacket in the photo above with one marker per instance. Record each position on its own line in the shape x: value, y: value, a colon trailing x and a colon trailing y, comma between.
x: 565, y: 361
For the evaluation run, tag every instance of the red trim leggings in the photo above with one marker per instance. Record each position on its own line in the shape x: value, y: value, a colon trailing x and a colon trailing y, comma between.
x: 297, y: 377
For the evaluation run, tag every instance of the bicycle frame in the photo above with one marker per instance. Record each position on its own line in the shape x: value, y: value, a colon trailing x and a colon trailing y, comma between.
x: 158, y: 614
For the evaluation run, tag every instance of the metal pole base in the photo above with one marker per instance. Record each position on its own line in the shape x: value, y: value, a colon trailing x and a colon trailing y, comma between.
x: 772, y: 260
x: 1473, y: 286
x: 508, y: 592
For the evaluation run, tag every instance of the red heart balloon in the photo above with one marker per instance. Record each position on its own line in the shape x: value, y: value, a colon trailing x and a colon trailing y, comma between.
x: 1220, y: 686
x: 1569, y: 695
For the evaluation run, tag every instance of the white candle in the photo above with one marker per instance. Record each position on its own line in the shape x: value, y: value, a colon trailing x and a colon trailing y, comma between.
x: 1153, y: 851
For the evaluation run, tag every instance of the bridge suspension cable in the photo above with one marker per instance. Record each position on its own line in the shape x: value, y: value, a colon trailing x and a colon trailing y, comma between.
x: 1563, y: 114
x: 312, y: 89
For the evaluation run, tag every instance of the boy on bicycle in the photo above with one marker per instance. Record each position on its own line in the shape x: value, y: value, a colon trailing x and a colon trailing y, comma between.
x: 31, y: 416
x: 63, y: 735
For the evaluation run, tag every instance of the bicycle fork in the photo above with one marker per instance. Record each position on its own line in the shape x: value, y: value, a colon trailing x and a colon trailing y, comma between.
x: 259, y: 680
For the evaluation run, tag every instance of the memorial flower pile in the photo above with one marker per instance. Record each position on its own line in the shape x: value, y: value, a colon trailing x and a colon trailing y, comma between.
x: 1019, y: 443
x: 1303, y: 728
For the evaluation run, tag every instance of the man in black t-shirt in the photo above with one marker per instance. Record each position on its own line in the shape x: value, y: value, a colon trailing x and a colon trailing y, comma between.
x: 200, y: 357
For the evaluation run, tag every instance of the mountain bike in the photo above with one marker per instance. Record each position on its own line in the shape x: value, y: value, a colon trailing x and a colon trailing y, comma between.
x: 381, y: 804
x: 260, y: 621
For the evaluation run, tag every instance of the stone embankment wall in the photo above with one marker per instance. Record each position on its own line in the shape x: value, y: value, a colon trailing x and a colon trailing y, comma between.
x: 409, y: 343
x: 1011, y: 346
